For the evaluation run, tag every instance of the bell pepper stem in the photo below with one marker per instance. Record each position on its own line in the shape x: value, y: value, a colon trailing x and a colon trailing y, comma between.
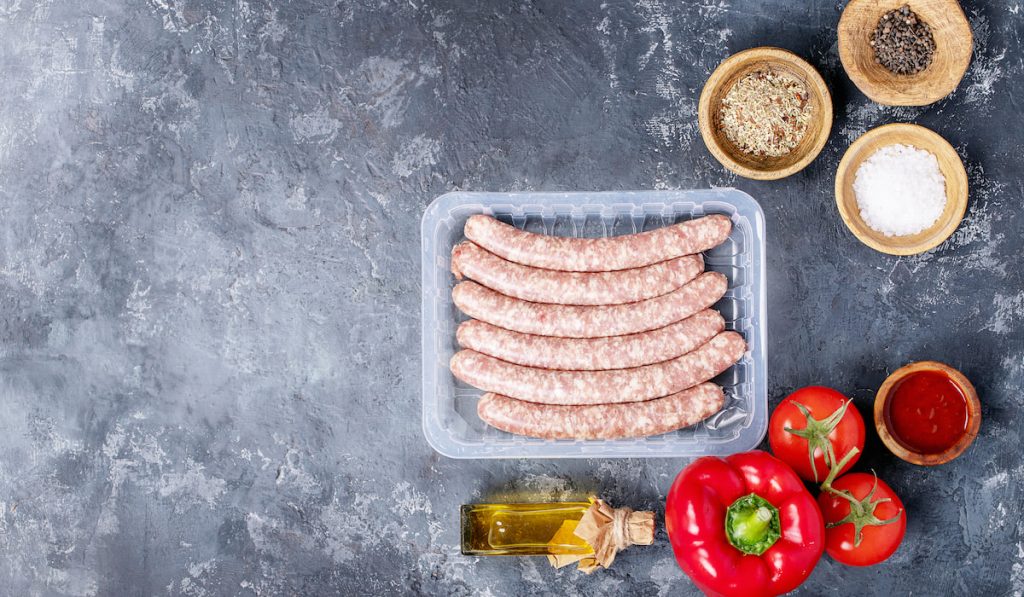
x: 752, y: 524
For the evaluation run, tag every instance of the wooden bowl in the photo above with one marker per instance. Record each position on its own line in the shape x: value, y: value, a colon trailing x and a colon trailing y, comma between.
x: 950, y: 165
x: 731, y: 70
x: 973, y: 414
x: 953, y: 46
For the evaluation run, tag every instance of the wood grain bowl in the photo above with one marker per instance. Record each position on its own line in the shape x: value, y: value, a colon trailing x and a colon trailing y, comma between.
x: 952, y: 170
x: 953, y: 46
x: 973, y: 413
x: 733, y: 69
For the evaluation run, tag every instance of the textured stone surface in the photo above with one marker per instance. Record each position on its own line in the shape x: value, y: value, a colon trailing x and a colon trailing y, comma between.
x: 209, y: 265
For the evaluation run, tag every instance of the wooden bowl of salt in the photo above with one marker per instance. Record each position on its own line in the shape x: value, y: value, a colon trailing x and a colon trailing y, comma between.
x: 949, y: 164
x: 953, y: 46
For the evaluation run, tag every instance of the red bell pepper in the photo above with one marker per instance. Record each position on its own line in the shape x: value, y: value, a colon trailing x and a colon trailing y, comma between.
x: 744, y: 525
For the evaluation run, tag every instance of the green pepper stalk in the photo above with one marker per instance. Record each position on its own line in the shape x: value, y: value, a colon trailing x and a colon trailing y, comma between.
x: 752, y: 524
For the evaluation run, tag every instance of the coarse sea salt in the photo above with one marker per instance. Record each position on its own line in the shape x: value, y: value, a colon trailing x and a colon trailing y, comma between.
x: 900, y: 190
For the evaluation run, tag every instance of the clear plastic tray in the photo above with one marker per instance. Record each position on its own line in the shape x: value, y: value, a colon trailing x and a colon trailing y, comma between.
x: 450, y: 422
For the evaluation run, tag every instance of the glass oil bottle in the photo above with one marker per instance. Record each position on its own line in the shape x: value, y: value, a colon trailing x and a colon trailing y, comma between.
x: 523, y: 529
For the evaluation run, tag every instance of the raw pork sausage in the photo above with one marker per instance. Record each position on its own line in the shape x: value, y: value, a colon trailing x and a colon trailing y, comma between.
x: 573, y: 321
x: 597, y: 254
x: 572, y: 288
x: 599, y: 387
x: 592, y: 354
x: 603, y: 421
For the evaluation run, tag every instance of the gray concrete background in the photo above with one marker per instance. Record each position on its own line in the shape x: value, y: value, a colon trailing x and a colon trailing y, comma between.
x: 209, y: 267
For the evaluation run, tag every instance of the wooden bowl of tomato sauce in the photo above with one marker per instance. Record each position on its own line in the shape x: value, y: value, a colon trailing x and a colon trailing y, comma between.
x: 927, y: 413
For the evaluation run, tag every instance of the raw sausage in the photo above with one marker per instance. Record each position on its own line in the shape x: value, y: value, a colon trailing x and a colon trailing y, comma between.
x: 572, y: 288
x: 603, y: 421
x: 591, y: 354
x: 598, y: 254
x: 574, y: 321
x: 599, y: 387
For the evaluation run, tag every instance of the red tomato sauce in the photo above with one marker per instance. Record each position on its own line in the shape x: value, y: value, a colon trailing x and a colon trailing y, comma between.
x: 927, y: 412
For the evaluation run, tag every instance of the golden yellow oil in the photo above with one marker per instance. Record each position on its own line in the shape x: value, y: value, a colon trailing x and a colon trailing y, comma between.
x: 522, y: 529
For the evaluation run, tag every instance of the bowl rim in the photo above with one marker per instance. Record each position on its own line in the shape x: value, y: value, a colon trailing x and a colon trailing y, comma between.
x: 887, y: 95
x: 919, y: 458
x: 854, y: 222
x: 767, y: 54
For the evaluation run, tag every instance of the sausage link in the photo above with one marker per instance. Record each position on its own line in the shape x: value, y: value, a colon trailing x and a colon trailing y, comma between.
x: 575, y: 321
x: 603, y: 421
x: 599, y: 387
x: 572, y: 288
x: 598, y: 254
x: 591, y: 354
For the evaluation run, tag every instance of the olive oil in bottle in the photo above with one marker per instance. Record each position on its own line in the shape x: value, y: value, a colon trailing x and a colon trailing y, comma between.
x: 523, y: 529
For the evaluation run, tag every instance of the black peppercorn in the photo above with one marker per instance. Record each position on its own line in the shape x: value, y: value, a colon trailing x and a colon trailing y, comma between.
x: 903, y: 43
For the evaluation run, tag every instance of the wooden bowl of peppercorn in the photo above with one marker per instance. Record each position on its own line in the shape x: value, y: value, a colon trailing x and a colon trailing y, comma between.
x: 777, y: 145
x: 905, y: 53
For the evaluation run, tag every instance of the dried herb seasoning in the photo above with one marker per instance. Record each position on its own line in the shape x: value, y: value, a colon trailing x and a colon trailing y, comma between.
x: 766, y: 113
x: 903, y: 43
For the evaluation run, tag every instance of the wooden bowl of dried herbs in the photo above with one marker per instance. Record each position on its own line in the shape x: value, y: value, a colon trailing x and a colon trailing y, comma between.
x: 765, y: 113
x: 905, y: 52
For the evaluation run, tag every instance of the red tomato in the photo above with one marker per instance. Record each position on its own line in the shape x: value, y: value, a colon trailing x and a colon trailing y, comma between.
x: 811, y: 424
x: 881, y: 521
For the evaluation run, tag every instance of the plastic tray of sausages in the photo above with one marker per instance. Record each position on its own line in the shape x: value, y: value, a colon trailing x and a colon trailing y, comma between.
x: 450, y: 422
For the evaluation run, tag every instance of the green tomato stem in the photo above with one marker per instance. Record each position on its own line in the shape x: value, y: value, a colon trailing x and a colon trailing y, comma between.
x: 838, y: 466
x: 816, y: 433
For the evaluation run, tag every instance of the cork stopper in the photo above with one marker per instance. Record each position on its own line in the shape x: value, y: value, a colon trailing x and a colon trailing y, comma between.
x: 608, y: 531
